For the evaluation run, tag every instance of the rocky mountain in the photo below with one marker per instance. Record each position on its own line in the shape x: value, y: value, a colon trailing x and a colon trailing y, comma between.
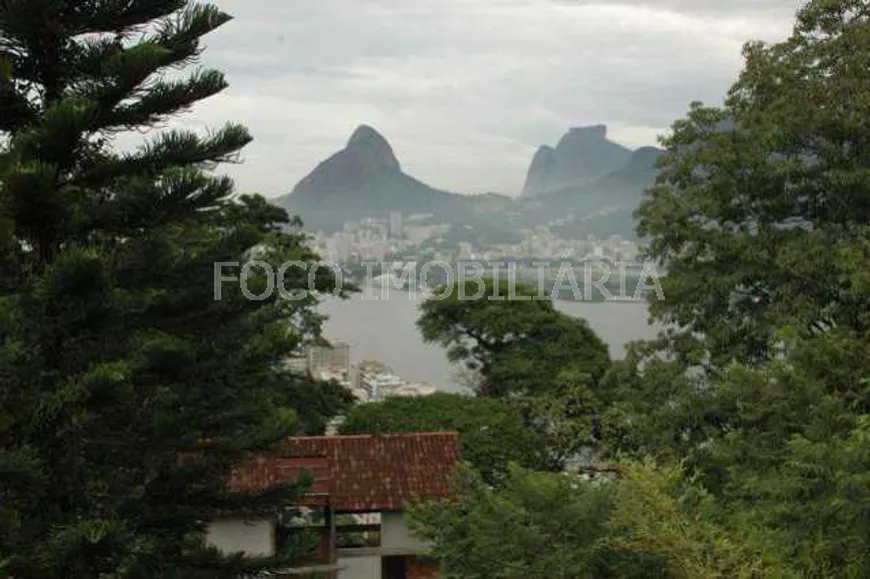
x: 365, y: 179
x: 604, y: 206
x: 583, y: 155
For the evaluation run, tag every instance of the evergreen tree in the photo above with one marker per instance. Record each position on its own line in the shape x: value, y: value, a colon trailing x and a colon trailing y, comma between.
x: 128, y: 387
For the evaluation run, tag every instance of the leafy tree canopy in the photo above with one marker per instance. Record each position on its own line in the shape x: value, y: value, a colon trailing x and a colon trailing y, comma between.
x: 650, y: 522
x: 761, y: 212
x: 516, y: 342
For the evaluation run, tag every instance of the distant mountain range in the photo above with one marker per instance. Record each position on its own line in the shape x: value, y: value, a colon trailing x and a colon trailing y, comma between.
x: 598, y: 181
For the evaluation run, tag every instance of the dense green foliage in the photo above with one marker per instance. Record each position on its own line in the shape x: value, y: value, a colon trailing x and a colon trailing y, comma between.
x: 492, y: 432
x: 545, y: 364
x: 762, y: 212
x: 650, y: 522
x: 517, y: 342
x: 127, y: 390
x: 755, y: 405
x: 762, y: 219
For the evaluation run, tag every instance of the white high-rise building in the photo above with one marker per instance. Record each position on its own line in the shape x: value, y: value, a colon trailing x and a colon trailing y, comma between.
x: 396, y: 224
x: 335, y: 356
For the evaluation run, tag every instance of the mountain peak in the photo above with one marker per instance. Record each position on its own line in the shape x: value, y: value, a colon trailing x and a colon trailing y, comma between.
x: 583, y: 136
x: 365, y: 133
x: 583, y: 155
x: 366, y: 140
x: 596, y: 130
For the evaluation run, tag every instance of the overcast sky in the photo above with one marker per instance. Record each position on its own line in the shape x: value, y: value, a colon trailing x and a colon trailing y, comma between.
x: 465, y: 90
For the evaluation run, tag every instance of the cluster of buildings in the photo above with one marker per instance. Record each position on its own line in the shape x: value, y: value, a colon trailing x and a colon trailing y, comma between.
x: 542, y: 243
x: 420, y: 238
x: 368, y: 380
x: 377, y: 240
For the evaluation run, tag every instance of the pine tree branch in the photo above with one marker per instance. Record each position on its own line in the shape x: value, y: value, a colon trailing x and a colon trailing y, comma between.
x: 175, y: 148
x: 162, y: 100
x: 103, y: 16
x: 186, y: 27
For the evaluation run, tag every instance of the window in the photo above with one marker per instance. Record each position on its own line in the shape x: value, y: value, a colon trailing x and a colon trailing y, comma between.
x: 358, y: 530
x: 394, y: 567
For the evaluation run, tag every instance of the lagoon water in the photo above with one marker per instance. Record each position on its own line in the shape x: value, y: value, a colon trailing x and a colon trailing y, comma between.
x: 383, y: 329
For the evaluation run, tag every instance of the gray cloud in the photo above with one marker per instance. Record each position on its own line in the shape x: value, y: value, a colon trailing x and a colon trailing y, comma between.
x: 466, y: 89
x: 704, y: 7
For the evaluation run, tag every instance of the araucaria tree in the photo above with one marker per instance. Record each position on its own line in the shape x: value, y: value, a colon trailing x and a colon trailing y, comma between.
x: 127, y: 390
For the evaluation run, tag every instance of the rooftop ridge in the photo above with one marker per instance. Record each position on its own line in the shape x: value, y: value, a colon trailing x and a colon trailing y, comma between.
x: 438, y: 433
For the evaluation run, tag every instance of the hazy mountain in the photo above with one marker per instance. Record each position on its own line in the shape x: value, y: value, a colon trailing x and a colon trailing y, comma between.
x: 491, y: 202
x: 603, y: 207
x: 583, y: 155
x: 365, y: 179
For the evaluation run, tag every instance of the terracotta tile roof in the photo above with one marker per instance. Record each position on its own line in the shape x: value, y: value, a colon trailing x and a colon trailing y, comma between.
x: 262, y: 473
x: 360, y: 473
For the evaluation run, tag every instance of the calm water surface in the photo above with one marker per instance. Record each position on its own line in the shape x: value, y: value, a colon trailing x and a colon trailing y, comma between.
x: 384, y: 330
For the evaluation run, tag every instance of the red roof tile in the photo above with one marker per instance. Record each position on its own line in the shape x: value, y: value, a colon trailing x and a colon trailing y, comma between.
x: 263, y: 473
x: 360, y: 473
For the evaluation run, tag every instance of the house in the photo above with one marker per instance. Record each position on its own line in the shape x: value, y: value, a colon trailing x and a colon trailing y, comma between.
x: 355, y: 505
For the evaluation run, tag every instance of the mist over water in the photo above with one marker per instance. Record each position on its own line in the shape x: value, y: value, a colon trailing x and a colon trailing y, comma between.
x: 385, y: 330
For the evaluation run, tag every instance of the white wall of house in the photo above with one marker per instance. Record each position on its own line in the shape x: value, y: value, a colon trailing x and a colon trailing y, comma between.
x: 359, y: 568
x: 395, y: 534
x: 253, y: 537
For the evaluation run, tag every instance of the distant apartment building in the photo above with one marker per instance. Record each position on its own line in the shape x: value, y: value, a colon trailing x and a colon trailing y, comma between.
x: 377, y: 382
x: 417, y: 234
x: 338, y: 249
x: 420, y: 216
x: 412, y: 389
x: 395, y: 224
x: 335, y: 357
x: 464, y: 251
